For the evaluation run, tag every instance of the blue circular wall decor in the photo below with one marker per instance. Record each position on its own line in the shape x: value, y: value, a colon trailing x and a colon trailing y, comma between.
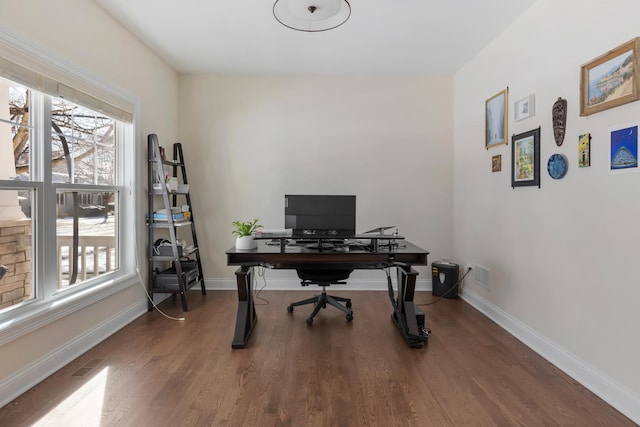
x: 557, y: 166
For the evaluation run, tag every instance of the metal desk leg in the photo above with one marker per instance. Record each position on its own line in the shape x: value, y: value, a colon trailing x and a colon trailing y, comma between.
x: 246, y: 317
x: 405, y: 311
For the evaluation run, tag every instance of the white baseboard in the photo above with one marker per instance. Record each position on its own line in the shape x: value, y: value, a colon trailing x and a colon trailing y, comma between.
x: 615, y: 394
x: 21, y: 381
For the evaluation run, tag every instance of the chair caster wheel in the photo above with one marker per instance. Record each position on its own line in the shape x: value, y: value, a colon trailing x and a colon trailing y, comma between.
x: 310, y: 321
x: 348, y: 304
x: 349, y: 317
x: 290, y: 309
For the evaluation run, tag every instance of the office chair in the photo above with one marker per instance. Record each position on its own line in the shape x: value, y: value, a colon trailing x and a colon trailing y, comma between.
x: 324, y: 278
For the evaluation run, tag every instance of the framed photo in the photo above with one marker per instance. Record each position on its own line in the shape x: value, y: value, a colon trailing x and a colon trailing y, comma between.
x: 495, y: 113
x: 496, y: 163
x: 524, y: 108
x: 611, y: 79
x: 584, y: 150
x: 623, y: 153
x: 525, y: 159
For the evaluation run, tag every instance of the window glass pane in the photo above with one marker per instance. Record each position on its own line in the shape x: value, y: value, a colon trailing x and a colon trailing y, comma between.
x: 83, y: 145
x: 16, y: 248
x: 96, y: 220
x: 15, y: 131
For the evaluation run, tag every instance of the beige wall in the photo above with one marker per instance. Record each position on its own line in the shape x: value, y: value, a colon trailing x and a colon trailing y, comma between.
x: 80, y: 34
x: 250, y: 139
x: 563, y: 258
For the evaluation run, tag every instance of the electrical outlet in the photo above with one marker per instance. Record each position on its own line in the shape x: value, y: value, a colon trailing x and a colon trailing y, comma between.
x: 466, y: 274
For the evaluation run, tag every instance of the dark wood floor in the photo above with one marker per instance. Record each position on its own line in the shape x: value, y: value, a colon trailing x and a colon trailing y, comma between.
x: 159, y: 372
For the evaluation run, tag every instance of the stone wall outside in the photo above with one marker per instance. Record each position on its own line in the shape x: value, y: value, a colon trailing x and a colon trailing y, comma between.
x: 15, y: 253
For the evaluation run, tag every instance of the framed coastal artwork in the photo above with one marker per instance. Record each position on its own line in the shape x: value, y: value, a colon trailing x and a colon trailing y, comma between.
x: 611, y: 79
x: 495, y: 113
x: 525, y: 159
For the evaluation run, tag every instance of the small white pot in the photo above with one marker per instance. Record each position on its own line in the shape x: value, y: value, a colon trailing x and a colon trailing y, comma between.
x: 246, y: 242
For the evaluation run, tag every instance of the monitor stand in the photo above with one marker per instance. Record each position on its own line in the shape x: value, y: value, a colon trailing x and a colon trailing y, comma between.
x: 320, y: 245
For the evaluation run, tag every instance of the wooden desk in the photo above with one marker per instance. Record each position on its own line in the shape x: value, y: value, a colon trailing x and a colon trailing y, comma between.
x: 402, y: 256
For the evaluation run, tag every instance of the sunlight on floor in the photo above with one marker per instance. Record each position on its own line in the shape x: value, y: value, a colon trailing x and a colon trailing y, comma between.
x: 82, y: 408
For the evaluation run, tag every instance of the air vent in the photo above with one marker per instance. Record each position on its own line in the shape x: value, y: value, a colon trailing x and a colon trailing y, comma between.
x: 481, y: 275
x: 87, y: 368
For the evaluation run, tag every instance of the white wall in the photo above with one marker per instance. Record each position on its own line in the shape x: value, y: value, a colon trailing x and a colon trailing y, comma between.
x: 250, y: 139
x: 80, y: 34
x: 563, y: 258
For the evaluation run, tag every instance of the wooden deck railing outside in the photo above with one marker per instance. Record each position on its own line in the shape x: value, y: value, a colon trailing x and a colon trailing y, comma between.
x: 96, y: 256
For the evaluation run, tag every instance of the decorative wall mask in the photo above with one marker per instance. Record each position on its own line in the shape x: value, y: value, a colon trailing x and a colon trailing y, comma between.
x: 559, y: 113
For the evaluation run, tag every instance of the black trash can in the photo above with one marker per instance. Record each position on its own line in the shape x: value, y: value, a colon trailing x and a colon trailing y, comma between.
x: 444, y: 279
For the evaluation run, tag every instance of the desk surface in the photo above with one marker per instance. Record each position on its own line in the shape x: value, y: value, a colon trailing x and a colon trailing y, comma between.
x: 406, y: 316
x: 283, y: 257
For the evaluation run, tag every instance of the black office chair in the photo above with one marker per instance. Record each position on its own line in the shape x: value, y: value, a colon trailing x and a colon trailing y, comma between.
x: 324, y: 278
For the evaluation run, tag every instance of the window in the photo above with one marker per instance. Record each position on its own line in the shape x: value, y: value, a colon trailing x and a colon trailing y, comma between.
x: 63, y: 169
x: 16, y: 224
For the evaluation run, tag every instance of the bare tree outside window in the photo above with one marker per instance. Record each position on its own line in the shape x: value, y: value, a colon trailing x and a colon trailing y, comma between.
x: 83, y: 151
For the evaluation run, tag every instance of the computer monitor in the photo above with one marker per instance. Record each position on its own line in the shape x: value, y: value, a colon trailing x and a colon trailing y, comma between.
x: 312, y: 216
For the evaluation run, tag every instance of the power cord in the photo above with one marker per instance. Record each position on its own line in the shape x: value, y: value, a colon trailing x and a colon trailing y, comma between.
x: 135, y: 248
x: 454, y: 286
x: 256, y: 291
x: 149, y: 297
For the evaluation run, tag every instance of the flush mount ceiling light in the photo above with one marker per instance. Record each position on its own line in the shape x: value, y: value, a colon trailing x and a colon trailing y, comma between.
x: 312, y: 15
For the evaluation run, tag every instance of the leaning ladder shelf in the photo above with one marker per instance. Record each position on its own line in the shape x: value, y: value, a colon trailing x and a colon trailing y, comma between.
x: 172, y: 268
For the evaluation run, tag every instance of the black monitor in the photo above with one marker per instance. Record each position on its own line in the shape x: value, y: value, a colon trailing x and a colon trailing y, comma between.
x: 313, y: 216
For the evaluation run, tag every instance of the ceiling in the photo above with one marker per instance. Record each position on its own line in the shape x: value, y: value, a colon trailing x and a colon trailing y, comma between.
x: 381, y: 36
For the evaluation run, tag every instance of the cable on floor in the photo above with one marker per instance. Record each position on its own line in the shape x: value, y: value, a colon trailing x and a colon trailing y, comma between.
x: 451, y: 289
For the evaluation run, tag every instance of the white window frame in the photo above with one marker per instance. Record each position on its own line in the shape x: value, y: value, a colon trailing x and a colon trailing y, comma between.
x: 49, y: 303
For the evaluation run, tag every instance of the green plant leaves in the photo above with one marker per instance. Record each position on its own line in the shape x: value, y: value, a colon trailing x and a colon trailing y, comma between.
x: 246, y: 228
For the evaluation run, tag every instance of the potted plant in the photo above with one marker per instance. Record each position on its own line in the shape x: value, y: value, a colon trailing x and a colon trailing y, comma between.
x: 244, y: 232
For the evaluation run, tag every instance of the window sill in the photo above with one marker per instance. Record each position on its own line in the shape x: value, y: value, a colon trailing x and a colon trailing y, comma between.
x: 36, y: 314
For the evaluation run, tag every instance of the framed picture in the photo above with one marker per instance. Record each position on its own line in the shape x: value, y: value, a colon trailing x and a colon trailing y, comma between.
x: 496, y: 163
x: 611, y: 79
x: 524, y: 108
x: 623, y: 153
x: 525, y: 159
x: 496, y: 119
x: 584, y: 150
